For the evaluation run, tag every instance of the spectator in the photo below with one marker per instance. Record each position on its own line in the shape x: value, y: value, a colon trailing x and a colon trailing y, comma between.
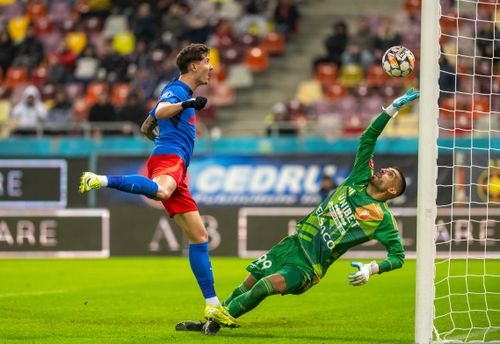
x: 102, y: 110
x: 86, y: 64
x: 447, y: 77
x: 30, y: 50
x: 114, y: 64
x: 30, y: 111
x: 253, y: 14
x: 173, y: 21
x: 144, y: 24
x: 7, y: 51
x: 360, y: 46
x: 134, y: 110
x: 62, y: 110
x: 64, y: 56
x: 327, y: 185
x: 279, y: 122
x: 335, y: 45
x: 385, y: 38
x: 286, y: 17
x: 198, y: 30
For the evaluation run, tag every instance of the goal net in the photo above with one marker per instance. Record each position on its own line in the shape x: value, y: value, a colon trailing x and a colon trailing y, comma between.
x: 466, y: 265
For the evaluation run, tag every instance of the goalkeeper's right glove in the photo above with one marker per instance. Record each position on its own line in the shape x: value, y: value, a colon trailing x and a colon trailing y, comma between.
x: 363, y: 275
x: 198, y: 103
x: 409, y: 96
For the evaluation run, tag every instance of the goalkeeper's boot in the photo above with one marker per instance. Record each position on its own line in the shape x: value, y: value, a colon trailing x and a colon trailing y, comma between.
x: 189, y: 325
x: 220, y: 315
x: 89, y: 181
x: 210, y: 328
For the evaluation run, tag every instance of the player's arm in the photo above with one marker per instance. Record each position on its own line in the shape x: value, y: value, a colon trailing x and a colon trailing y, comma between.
x: 166, y: 109
x: 149, y: 128
x: 361, y: 169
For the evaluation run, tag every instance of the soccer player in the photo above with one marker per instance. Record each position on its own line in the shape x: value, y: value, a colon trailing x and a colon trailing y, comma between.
x: 171, y: 124
x: 355, y: 213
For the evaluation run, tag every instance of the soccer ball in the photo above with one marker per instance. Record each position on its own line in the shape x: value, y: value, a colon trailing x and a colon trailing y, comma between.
x: 398, y: 61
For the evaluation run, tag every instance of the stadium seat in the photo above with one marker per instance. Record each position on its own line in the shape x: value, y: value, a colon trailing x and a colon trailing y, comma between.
x: 309, y: 92
x: 51, y: 41
x: 94, y: 89
x: 347, y: 106
x: 80, y: 109
x: 353, y: 125
x: 222, y: 94
x: 120, y: 93
x: 86, y: 68
x: 376, y: 76
x: 59, y: 11
x: 76, y: 41
x: 124, y: 43
x: 92, y: 24
x: 43, y: 27
x: 115, y: 24
x: 413, y: 7
x: 48, y: 92
x: 257, y: 59
x: 371, y: 105
x: 214, y: 55
x: 69, y: 25
x: 16, y: 76
x: 39, y: 76
x: 362, y: 90
x: 274, y: 43
x: 17, y: 28
x: 351, y: 74
x: 74, y: 90
x: 17, y: 93
x: 240, y: 76
x: 335, y: 92
x: 13, y: 10
x: 5, y: 106
x: 233, y: 55
x: 36, y: 10
x: 249, y: 40
x: 326, y: 73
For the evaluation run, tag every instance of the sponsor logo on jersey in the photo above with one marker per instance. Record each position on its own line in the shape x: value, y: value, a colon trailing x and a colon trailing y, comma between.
x: 370, y: 212
x: 167, y: 94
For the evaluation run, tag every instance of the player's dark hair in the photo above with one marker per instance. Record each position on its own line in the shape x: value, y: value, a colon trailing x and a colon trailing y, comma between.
x: 403, y: 181
x: 192, y: 53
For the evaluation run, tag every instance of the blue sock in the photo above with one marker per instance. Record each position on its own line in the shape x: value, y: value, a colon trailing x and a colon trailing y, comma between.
x: 134, y: 184
x: 202, y: 268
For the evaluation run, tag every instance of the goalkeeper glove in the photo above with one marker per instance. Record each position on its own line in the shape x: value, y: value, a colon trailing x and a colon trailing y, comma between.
x: 409, y: 96
x: 198, y: 103
x: 364, y: 273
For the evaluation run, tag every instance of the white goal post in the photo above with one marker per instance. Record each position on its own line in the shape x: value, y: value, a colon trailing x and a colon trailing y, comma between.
x: 458, y: 296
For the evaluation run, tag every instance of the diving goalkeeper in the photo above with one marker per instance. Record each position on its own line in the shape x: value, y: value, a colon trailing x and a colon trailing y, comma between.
x: 355, y: 213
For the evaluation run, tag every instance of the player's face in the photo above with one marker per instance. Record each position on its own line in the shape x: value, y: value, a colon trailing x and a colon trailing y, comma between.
x: 202, y: 70
x: 387, y: 179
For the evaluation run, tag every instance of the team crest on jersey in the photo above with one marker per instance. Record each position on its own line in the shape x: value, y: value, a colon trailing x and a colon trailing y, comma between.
x: 370, y: 212
x: 167, y: 94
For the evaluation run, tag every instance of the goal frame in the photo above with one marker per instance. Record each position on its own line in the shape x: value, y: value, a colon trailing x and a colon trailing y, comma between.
x: 427, y: 170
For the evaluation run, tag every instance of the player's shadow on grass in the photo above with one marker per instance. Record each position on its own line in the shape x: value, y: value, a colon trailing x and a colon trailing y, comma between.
x: 307, y: 338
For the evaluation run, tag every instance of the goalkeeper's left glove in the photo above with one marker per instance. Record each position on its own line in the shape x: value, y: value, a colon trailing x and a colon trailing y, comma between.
x: 364, y: 273
x: 409, y: 96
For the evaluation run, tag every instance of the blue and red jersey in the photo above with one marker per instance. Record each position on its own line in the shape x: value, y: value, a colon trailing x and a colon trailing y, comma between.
x: 177, y: 133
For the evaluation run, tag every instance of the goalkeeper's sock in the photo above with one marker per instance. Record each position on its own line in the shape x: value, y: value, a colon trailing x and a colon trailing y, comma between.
x: 202, y: 270
x: 132, y: 184
x: 249, y: 300
x: 236, y: 292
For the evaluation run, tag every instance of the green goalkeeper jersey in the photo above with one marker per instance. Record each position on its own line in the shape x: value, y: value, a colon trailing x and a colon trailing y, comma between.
x: 350, y: 216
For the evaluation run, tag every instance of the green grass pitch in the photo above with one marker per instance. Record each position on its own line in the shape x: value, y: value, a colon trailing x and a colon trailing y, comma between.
x: 139, y: 300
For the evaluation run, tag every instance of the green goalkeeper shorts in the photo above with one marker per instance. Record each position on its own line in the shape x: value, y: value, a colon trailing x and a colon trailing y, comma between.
x: 287, y: 259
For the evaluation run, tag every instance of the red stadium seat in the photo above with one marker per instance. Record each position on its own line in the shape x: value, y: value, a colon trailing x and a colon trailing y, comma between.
x: 326, y: 73
x: 413, y: 7
x: 43, y: 27
x: 335, y: 92
x: 16, y: 76
x: 39, y: 76
x: 376, y: 76
x: 120, y: 93
x: 36, y: 10
x: 94, y: 89
x: 257, y: 59
x: 274, y: 43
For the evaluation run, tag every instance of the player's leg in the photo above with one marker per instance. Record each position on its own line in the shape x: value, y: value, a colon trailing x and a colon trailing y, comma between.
x: 247, y: 284
x: 166, y: 169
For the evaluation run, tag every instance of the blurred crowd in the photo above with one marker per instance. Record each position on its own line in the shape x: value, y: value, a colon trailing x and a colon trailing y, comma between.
x: 349, y: 85
x: 102, y: 61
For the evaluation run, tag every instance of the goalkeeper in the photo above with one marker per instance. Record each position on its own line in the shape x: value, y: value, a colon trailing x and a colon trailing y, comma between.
x: 355, y: 213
